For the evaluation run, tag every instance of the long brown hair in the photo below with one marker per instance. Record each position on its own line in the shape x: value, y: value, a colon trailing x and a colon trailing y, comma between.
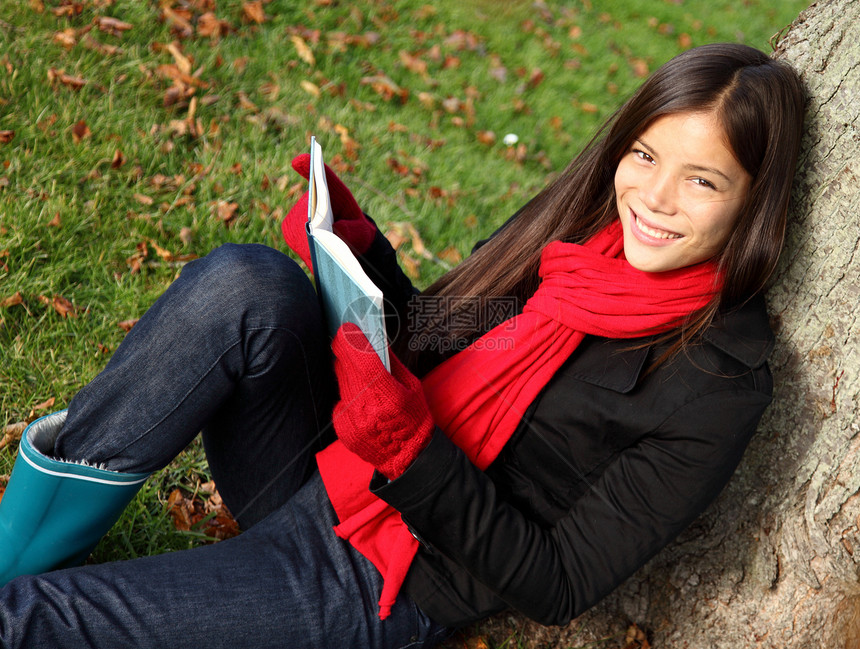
x: 759, y: 103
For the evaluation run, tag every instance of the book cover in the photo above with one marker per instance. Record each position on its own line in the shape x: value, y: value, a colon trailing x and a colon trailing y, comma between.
x: 346, y: 292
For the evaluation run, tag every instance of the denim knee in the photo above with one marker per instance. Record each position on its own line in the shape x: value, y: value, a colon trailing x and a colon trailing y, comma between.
x: 253, y: 282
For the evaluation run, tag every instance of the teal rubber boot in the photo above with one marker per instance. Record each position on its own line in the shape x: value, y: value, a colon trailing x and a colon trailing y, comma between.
x: 54, y: 512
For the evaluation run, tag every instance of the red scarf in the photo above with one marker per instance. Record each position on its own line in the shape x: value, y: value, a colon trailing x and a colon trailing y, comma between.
x: 480, y: 395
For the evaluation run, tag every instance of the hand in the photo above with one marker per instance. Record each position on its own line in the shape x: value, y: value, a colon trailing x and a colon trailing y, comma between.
x: 383, y: 418
x: 350, y: 224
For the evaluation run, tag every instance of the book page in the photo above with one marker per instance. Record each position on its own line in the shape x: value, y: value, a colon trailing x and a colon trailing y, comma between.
x: 319, y: 206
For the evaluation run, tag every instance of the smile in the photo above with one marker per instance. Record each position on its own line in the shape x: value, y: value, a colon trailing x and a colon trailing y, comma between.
x: 654, y: 232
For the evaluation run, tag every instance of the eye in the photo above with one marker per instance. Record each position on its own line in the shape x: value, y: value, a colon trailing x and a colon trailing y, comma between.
x: 701, y: 182
x: 642, y: 155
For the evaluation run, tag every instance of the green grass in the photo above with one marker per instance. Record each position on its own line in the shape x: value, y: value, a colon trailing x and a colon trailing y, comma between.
x: 73, y: 213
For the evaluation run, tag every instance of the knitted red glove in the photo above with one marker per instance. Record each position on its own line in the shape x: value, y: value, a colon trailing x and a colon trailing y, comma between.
x: 350, y: 224
x: 383, y: 418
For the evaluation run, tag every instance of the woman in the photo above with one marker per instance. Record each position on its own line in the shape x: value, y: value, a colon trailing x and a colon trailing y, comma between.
x: 582, y: 431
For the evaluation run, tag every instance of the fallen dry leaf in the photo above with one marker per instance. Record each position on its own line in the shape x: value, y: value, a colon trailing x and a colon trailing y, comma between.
x: 209, y: 25
x: 60, y: 304
x: 45, y: 405
x: 67, y: 8
x: 126, y: 325
x: 226, y: 211
x: 6, y: 136
x: 310, y: 88
x: 413, y: 63
x: 73, y: 82
x: 118, y: 159
x: 12, y: 300
x: 112, y: 26
x: 253, y: 12
x: 96, y: 46
x: 211, y: 514
x: 303, y: 50
x: 385, y: 87
x: 66, y: 38
x: 182, y: 61
x: 80, y: 131
x: 178, y: 22
x: 12, y: 433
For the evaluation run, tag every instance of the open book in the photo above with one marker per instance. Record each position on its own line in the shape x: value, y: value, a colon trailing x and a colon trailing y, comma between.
x: 346, y: 292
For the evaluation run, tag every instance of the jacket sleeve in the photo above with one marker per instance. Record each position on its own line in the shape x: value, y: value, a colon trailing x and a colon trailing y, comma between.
x: 646, y: 495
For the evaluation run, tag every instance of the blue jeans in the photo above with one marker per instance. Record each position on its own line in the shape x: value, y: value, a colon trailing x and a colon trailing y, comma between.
x: 235, y: 348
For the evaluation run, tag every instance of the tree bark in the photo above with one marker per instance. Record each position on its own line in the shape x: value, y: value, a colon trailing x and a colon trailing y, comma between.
x: 774, y: 562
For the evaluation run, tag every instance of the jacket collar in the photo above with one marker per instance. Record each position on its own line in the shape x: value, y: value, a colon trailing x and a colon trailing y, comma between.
x: 743, y: 333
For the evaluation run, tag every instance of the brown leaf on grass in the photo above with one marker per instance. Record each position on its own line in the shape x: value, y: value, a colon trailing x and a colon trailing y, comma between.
x: 68, y: 8
x: 486, y: 137
x: 177, y: 93
x: 303, y: 50
x: 413, y: 63
x: 252, y: 11
x: 179, y: 21
x: 211, y: 514
x: 112, y: 26
x: 535, y: 78
x: 45, y: 405
x: 118, y: 159
x: 174, y: 73
x: 165, y: 254
x: 66, y: 38
x: 183, y: 63
x: 12, y: 300
x: 385, y: 87
x: 180, y: 509
x: 209, y: 25
x: 463, y: 40
x: 640, y: 67
x: 310, y: 87
x: 411, y: 266
x: 96, y: 46
x: 6, y: 136
x: 60, y: 304
x: 451, y: 255
x: 245, y: 102
x: 80, y: 131
x: 143, y: 199
x: 225, y: 211
x: 12, y: 433
x: 135, y: 262
x: 55, y: 222
x: 126, y: 325
x: 68, y: 80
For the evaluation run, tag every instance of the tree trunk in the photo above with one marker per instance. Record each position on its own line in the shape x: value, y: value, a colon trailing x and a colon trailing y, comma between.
x: 774, y: 562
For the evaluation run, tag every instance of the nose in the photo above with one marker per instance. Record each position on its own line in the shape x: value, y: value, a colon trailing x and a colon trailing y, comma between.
x: 659, y: 195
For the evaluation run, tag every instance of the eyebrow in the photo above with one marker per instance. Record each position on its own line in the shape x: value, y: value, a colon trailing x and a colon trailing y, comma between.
x: 690, y: 167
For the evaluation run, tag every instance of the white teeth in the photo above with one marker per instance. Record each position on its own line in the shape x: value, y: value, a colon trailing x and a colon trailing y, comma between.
x: 657, y: 234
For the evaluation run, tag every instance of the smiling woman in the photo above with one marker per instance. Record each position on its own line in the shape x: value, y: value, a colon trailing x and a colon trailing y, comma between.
x: 550, y: 429
x: 679, y: 192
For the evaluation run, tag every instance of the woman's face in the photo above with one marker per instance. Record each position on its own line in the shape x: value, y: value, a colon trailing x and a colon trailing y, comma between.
x: 679, y: 190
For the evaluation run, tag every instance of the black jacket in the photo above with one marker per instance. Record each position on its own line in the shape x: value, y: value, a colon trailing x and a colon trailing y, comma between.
x: 609, y: 464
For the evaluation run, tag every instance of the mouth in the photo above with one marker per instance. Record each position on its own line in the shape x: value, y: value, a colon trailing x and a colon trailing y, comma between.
x: 650, y: 231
